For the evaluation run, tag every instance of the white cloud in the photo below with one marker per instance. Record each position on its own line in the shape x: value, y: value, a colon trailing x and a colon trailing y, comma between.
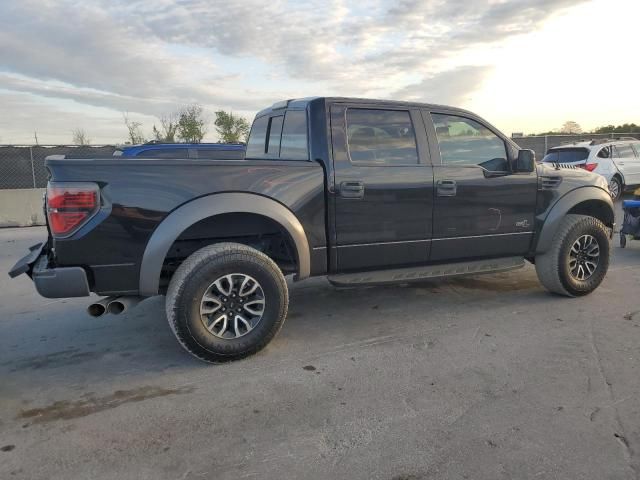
x: 149, y: 57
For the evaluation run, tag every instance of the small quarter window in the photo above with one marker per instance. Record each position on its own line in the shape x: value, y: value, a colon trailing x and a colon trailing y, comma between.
x: 604, y: 152
x: 275, y: 131
x: 256, y: 146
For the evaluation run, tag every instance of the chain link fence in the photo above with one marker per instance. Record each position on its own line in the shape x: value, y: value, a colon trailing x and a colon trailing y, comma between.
x: 22, y: 166
x: 540, y: 144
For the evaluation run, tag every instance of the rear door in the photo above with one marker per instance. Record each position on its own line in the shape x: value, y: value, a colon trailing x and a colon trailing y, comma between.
x: 481, y: 208
x: 625, y: 158
x: 383, y: 187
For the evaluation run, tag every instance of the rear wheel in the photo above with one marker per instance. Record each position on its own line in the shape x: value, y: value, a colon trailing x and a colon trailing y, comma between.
x: 615, y: 188
x: 578, y: 259
x: 226, y: 301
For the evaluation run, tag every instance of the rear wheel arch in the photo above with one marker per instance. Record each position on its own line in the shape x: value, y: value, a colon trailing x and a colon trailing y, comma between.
x: 189, y: 214
x: 251, y: 229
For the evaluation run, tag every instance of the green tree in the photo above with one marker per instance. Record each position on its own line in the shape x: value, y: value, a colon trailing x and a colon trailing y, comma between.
x: 625, y: 128
x: 231, y: 128
x: 191, y: 124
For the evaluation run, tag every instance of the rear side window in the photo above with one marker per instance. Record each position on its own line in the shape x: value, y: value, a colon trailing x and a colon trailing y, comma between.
x: 165, y: 153
x: 465, y: 142
x: 623, y: 151
x: 294, y: 136
x: 381, y: 137
x: 566, y: 155
x: 279, y: 137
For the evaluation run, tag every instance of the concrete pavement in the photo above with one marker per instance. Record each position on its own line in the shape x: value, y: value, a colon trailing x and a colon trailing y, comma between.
x: 479, y: 378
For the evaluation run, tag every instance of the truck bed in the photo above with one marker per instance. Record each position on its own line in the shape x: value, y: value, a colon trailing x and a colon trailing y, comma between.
x: 138, y: 193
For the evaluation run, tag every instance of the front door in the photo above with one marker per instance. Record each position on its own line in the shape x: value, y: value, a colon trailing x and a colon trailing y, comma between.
x: 481, y: 208
x: 383, y: 194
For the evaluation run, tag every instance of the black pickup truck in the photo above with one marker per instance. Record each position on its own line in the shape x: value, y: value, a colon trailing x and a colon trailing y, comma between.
x: 362, y: 191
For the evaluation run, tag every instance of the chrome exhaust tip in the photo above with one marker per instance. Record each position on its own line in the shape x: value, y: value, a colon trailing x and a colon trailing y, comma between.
x: 120, y: 304
x: 115, y: 308
x: 96, y: 309
x: 99, y: 308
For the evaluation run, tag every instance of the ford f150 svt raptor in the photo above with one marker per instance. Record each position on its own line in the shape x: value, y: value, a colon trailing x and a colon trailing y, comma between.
x: 363, y: 191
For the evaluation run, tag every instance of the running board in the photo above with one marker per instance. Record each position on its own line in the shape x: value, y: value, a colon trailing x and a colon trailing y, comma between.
x: 400, y: 275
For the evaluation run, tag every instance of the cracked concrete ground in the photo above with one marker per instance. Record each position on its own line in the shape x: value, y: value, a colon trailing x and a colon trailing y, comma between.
x: 479, y: 378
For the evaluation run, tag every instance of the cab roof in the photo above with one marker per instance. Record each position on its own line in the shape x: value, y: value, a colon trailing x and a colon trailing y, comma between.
x: 302, y: 103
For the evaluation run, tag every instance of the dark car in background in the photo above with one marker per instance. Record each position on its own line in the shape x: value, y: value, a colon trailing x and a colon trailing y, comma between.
x: 215, y: 151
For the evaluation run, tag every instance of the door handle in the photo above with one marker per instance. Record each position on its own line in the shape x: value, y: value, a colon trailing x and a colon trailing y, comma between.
x: 352, y: 189
x: 446, y: 188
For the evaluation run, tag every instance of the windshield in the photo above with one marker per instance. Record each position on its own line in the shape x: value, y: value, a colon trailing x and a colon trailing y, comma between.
x: 566, y: 155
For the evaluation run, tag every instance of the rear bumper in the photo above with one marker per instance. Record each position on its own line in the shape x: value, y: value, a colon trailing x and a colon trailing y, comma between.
x: 61, y: 282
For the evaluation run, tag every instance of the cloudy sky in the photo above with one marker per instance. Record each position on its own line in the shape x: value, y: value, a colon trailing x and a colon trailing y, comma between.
x: 525, y: 65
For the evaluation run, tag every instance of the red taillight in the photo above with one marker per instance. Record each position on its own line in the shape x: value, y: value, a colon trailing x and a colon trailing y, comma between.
x: 589, y: 167
x: 69, y: 205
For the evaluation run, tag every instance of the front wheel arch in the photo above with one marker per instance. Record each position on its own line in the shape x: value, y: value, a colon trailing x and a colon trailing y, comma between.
x: 589, y: 201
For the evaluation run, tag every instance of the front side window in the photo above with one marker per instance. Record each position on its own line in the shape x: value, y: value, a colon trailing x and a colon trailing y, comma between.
x: 465, y: 142
x: 381, y: 137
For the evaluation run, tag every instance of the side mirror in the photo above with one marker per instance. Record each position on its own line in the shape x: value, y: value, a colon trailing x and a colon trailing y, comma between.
x: 526, y: 161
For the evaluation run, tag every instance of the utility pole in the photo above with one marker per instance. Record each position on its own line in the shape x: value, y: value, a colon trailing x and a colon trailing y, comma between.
x: 35, y: 135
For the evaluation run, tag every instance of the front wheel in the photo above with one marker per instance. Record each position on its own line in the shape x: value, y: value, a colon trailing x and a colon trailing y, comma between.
x: 578, y: 259
x: 226, y: 301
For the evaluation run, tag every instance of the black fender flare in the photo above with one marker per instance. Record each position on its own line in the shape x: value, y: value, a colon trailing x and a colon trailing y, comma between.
x: 188, y: 214
x: 551, y: 223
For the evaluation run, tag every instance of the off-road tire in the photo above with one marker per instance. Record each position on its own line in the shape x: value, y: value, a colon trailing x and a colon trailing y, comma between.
x: 552, y: 267
x: 192, y: 279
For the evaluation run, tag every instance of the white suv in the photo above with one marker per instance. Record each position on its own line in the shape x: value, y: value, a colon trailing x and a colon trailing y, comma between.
x: 616, y: 160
